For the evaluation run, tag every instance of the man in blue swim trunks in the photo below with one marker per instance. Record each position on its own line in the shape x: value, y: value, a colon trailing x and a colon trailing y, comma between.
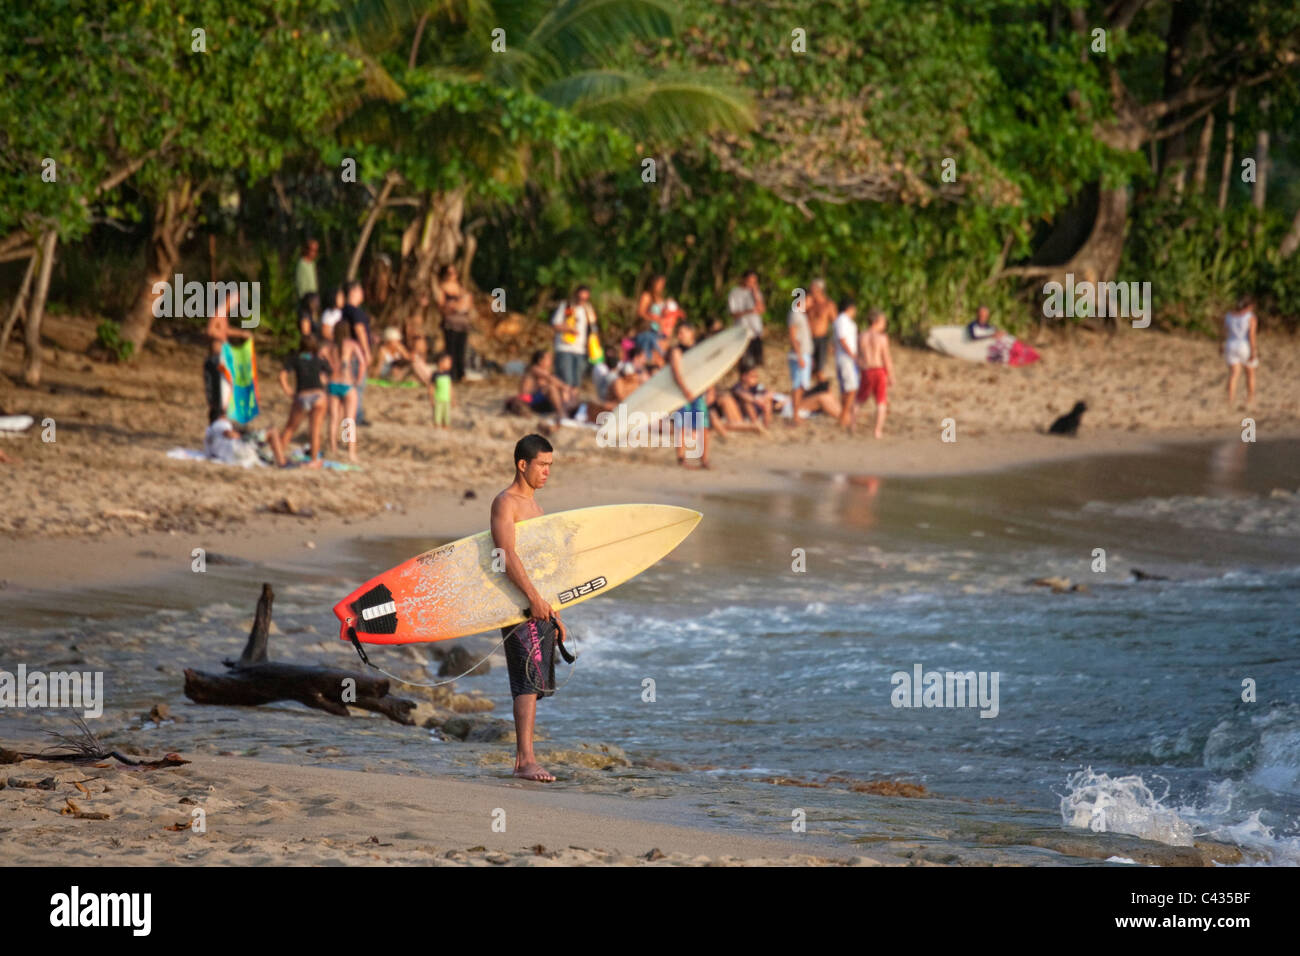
x: 694, y: 415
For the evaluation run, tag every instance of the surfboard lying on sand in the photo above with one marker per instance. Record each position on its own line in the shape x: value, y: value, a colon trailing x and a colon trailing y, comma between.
x: 952, y: 340
x: 570, y: 556
x: 15, y: 423
x: 702, y: 365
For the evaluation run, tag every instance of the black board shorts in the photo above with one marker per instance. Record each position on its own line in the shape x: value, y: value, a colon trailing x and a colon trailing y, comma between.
x: 530, y: 657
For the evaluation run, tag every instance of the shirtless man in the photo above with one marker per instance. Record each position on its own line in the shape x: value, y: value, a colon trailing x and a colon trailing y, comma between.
x: 533, y: 642
x: 877, y: 366
x: 821, y: 313
x: 541, y: 389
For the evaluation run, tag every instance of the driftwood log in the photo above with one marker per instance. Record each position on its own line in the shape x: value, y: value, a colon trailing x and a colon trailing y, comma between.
x: 254, y: 680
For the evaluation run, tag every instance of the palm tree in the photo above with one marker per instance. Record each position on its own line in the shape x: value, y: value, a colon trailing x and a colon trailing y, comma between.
x: 500, y: 93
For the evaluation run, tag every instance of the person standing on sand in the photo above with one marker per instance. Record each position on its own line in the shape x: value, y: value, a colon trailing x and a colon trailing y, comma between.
x: 1240, y: 348
x: 800, y: 357
x: 694, y: 415
x: 529, y: 647
x: 821, y: 313
x: 745, y: 303
x: 311, y: 376
x: 846, y: 358
x: 877, y: 366
x: 304, y: 276
x: 358, y: 321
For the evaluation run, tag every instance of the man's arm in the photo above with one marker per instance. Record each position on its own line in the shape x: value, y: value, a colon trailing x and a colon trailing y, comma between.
x: 889, y: 361
x: 503, y: 536
x: 675, y: 363
x: 284, y: 382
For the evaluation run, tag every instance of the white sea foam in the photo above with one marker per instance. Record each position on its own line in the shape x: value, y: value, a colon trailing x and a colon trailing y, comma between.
x: 1105, y: 804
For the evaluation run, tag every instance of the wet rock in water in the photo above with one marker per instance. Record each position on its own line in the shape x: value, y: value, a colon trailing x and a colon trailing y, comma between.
x: 159, y: 712
x: 655, y: 854
x: 10, y: 756
x: 458, y: 661
x: 1140, y: 575
x: 213, y: 557
x: 478, y: 729
x: 286, y: 506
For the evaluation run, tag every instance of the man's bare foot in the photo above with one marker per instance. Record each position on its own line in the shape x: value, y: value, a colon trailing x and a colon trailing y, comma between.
x: 879, y: 433
x: 315, y: 463
x: 533, y: 771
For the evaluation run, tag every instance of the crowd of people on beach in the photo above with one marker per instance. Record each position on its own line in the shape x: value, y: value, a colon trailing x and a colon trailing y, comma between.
x: 836, y: 365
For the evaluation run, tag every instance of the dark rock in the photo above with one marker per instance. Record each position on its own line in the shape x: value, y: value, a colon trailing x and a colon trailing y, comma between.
x: 458, y: 660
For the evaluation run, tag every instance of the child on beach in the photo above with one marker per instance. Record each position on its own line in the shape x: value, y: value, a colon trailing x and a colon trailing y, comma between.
x: 310, y: 377
x: 440, y: 391
x: 1240, y: 349
x: 342, y: 357
x: 877, y: 366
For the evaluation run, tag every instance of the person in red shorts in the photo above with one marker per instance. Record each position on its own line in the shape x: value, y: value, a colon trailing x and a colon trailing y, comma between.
x: 877, y: 368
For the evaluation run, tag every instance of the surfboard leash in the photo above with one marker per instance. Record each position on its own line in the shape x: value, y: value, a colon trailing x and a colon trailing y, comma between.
x: 559, y: 644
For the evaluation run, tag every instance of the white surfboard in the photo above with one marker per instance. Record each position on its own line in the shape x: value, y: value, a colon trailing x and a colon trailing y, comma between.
x: 455, y: 590
x: 15, y: 423
x: 702, y: 365
x: 952, y: 340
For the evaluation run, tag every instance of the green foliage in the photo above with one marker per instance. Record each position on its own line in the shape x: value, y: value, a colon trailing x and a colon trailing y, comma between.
x: 108, y: 334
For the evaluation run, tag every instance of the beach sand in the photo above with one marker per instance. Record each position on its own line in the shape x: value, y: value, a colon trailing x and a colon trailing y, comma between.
x: 104, y: 505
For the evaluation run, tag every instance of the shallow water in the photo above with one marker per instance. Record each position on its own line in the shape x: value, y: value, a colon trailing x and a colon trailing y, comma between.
x: 762, y: 671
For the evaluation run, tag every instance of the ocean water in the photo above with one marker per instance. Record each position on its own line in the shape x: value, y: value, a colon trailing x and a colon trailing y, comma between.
x: 757, y: 673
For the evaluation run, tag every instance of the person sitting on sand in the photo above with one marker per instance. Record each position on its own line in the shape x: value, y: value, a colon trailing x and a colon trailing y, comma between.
x: 726, y: 414
x: 980, y: 327
x: 529, y: 647
x: 819, y: 399
x: 394, y: 359
x: 342, y: 358
x: 754, y: 400
x: 627, y: 380
x: 223, y: 442
x: 308, y: 393
x: 877, y: 366
x: 694, y: 415
x: 1240, y: 348
x: 541, y: 391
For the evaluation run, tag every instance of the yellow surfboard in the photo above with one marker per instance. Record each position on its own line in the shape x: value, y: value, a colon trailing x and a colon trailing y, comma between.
x: 456, y: 590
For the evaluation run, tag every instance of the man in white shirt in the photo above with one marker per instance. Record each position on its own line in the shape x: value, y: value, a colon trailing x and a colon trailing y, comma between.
x: 572, y: 322
x: 801, y: 353
x: 846, y: 357
x: 745, y: 303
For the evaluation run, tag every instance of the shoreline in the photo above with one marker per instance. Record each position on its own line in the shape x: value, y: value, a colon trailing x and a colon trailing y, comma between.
x: 34, y: 565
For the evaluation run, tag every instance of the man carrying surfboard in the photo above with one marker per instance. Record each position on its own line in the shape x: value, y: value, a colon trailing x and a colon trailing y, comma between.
x: 529, y: 647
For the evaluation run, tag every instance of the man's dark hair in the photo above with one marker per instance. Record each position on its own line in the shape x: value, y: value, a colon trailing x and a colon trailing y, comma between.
x: 846, y: 303
x: 529, y: 447
x: 747, y: 365
x: 581, y: 289
x: 749, y: 272
x: 309, y: 343
x: 537, y: 357
x: 352, y: 284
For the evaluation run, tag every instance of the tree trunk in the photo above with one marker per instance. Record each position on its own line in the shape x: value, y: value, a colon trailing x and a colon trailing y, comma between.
x: 36, y: 311
x: 19, y: 307
x: 1173, y: 167
x: 439, y: 239
x: 1203, y: 155
x: 170, y: 227
x: 1292, y: 239
x: 1098, y: 258
x: 372, y: 217
x: 1259, y: 193
x: 1229, y: 133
